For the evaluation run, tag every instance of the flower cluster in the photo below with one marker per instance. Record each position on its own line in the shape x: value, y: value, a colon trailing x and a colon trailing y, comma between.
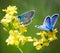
x: 45, y: 39
x: 16, y: 38
x: 15, y: 28
x: 10, y: 11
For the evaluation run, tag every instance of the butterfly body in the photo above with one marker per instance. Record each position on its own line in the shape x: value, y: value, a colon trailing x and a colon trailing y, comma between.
x: 48, y: 23
x: 26, y: 18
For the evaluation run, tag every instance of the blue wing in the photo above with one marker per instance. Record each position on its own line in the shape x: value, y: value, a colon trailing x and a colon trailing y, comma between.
x: 42, y: 27
x: 46, y: 24
x: 54, y: 19
x: 26, y: 18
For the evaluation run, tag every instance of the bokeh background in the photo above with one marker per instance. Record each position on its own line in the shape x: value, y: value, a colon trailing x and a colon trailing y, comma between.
x: 42, y: 9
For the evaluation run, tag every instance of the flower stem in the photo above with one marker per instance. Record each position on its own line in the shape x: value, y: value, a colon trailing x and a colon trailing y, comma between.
x: 20, y: 49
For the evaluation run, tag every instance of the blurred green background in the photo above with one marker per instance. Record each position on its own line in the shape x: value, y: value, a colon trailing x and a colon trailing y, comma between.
x: 42, y: 9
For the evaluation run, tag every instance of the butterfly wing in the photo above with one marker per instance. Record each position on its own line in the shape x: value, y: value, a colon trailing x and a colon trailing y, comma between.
x: 42, y: 27
x: 26, y: 18
x: 46, y: 24
x: 54, y: 19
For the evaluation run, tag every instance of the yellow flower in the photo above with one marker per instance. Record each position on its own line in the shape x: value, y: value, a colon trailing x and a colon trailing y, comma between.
x: 46, y: 44
x: 10, y: 10
x: 16, y: 38
x: 22, y: 39
x: 38, y: 33
x: 42, y: 40
x: 45, y: 38
x: 42, y: 34
x: 38, y: 47
x: 7, y: 18
x: 35, y: 43
x: 29, y: 39
x: 4, y: 22
x: 9, y: 15
x: 35, y: 39
x: 16, y: 23
x: 52, y: 35
x: 39, y: 44
x: 23, y: 29
x: 13, y: 38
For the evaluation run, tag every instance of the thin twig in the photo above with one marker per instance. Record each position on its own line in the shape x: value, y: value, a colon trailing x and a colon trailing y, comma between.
x: 20, y: 49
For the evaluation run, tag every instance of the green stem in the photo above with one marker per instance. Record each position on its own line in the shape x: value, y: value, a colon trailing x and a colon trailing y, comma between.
x: 20, y: 49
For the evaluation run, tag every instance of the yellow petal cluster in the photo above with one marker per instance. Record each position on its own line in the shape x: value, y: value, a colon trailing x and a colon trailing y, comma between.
x: 23, y: 28
x: 11, y: 10
x: 45, y: 39
x: 13, y: 25
x: 13, y: 38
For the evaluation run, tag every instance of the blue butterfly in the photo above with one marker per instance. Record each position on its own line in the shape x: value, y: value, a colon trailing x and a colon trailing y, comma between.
x: 49, y: 23
x: 26, y: 18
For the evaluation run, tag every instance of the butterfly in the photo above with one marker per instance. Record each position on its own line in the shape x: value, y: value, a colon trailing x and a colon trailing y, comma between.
x: 26, y: 18
x: 49, y: 23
